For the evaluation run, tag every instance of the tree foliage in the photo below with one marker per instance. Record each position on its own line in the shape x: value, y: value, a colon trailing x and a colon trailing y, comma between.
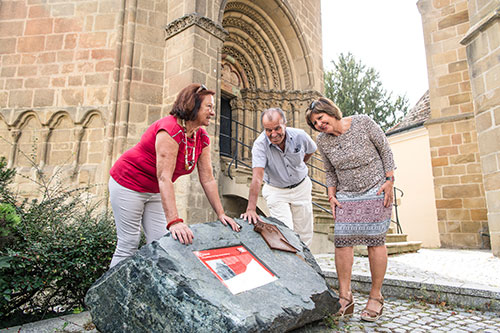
x: 356, y: 89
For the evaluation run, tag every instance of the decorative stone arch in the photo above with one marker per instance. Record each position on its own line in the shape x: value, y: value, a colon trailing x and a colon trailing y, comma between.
x: 60, y: 142
x: 233, y: 77
x: 270, y: 28
x: 87, y: 118
x: 55, y: 118
x: 24, y: 117
x: 264, y: 50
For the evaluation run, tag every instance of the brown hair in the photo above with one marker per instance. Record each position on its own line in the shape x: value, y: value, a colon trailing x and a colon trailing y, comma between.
x: 188, y: 101
x: 322, y: 105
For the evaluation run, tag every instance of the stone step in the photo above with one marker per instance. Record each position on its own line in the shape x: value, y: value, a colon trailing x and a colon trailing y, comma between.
x: 323, y: 228
x: 321, y: 213
x: 395, y: 238
x: 323, y: 200
x: 242, y: 179
x: 392, y: 248
x: 241, y: 171
x: 323, y: 217
x: 317, y: 210
x: 319, y: 192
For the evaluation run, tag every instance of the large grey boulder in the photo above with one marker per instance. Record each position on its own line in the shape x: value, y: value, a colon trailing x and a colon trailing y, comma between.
x: 164, y: 287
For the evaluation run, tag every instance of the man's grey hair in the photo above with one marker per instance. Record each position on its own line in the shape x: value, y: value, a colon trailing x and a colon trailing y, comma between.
x: 269, y: 112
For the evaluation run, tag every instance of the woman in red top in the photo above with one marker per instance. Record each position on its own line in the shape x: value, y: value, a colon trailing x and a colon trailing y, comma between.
x: 142, y: 180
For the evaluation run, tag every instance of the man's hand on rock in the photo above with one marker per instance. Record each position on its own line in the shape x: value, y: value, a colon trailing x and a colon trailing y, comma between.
x: 251, y: 216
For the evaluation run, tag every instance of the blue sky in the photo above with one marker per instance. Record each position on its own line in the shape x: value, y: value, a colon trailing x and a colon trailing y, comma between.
x: 386, y: 35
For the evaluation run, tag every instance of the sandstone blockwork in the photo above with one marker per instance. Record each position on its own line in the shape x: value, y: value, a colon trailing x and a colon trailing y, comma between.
x: 70, y: 149
x: 462, y: 47
x: 80, y: 81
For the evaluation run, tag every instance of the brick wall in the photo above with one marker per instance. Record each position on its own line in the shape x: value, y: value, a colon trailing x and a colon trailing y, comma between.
x: 458, y: 180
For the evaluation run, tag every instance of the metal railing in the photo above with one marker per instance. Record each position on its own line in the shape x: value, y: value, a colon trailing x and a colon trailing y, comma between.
x: 236, y: 160
x: 399, y: 230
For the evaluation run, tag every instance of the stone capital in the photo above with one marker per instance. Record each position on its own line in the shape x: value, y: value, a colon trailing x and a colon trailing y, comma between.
x: 203, y: 22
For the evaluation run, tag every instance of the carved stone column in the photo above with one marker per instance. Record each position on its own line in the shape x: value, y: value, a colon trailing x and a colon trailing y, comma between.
x: 15, y: 134
x: 45, y: 136
x: 79, y: 132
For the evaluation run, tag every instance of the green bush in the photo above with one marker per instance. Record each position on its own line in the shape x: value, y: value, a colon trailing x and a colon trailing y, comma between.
x: 62, y: 245
x: 8, y: 222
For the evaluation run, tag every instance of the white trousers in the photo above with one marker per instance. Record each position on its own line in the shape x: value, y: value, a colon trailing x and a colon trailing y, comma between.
x: 293, y: 207
x: 132, y: 210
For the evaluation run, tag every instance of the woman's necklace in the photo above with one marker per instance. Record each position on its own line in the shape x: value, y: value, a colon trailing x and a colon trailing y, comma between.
x: 188, y: 164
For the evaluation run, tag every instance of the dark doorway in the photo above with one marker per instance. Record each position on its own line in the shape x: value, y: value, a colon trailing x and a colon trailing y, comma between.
x: 225, y: 128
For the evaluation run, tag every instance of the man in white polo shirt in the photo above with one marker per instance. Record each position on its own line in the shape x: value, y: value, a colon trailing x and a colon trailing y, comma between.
x: 279, y: 157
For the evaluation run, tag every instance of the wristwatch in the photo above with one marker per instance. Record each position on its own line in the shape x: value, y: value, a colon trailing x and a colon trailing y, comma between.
x: 391, y: 178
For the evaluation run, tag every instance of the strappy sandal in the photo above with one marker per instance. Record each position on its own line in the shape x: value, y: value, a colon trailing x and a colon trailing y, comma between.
x: 348, y: 309
x: 371, y: 315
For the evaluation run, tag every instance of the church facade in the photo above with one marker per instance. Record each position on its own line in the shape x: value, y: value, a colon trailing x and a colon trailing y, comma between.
x: 81, y: 80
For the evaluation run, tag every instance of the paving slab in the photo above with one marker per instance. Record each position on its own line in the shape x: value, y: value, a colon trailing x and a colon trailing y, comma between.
x: 466, y: 278
x: 81, y: 322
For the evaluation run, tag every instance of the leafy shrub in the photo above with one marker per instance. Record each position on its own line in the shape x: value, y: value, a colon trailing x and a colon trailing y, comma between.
x: 62, y: 245
x: 8, y: 221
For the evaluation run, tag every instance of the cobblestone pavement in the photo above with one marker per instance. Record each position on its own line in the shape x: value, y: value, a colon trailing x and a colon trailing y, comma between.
x: 465, y: 267
x: 399, y: 315
x: 404, y: 315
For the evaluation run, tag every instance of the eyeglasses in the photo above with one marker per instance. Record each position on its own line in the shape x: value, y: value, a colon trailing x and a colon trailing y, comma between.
x: 200, y: 89
x: 312, y: 105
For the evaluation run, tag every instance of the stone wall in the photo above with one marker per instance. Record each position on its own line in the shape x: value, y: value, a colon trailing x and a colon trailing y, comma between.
x: 80, y: 81
x: 483, y: 55
x: 56, y: 86
x: 458, y: 180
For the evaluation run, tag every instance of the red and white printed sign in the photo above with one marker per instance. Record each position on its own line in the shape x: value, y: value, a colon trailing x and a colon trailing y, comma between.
x: 236, y: 268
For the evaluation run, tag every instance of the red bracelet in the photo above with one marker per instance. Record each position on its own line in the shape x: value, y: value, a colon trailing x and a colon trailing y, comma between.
x: 174, y: 221
x: 330, y: 198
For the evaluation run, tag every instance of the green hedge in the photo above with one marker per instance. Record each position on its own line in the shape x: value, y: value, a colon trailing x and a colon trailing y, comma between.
x: 51, y: 250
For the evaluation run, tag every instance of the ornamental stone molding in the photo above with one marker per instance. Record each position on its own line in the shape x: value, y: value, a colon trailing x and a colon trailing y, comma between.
x: 280, y: 95
x: 254, y: 61
x: 189, y: 20
x: 253, y: 101
x: 267, y: 53
x: 247, y: 68
x: 265, y: 37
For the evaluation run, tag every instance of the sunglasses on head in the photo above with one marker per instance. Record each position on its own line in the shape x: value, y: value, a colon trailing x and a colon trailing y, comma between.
x: 312, y: 105
x: 200, y: 89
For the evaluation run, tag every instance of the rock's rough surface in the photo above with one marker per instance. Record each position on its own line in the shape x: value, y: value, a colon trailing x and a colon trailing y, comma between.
x: 164, y: 287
